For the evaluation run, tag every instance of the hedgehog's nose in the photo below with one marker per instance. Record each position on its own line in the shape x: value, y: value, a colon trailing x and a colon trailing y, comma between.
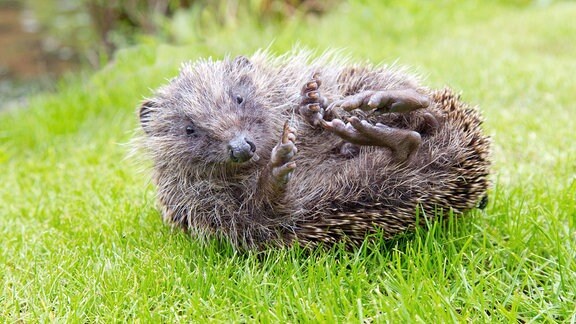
x: 241, y: 149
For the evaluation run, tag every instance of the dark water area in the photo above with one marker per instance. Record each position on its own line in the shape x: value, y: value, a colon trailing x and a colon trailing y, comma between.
x: 30, y: 60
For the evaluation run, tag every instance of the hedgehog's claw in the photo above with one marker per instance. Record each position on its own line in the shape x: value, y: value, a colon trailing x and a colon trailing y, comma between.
x: 383, y: 101
x: 312, y: 102
x: 403, y: 143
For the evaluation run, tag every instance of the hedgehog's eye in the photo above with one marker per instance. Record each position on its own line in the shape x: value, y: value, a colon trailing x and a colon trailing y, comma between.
x: 239, y: 99
x: 190, y: 130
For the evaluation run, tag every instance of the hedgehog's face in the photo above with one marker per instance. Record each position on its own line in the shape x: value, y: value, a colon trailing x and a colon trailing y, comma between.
x: 210, y: 114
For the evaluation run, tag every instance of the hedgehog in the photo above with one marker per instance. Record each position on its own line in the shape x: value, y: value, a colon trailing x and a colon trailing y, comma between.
x: 272, y: 151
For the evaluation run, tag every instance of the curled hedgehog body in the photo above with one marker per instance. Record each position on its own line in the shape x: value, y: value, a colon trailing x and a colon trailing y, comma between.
x: 270, y: 151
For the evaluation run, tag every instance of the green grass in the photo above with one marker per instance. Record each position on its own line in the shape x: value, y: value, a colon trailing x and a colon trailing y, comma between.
x: 82, y: 241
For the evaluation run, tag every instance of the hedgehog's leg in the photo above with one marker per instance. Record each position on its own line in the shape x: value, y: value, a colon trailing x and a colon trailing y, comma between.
x: 403, y: 143
x: 312, y: 103
x: 281, y: 164
x: 272, y: 183
x: 383, y: 101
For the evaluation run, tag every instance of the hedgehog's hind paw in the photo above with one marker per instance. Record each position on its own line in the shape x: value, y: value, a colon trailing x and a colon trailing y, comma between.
x: 403, y: 143
x: 383, y: 101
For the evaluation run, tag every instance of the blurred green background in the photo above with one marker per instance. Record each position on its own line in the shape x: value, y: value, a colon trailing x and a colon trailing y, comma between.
x: 40, y: 40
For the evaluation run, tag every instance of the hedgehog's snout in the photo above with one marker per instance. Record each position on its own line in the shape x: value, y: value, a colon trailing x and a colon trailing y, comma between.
x: 241, y: 149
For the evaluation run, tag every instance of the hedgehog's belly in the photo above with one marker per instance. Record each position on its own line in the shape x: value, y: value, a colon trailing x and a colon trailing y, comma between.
x: 326, y: 178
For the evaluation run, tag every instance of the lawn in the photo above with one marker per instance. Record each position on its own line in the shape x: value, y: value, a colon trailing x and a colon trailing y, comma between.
x: 82, y: 241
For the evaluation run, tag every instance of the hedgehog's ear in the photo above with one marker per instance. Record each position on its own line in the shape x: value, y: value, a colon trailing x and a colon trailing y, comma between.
x: 145, y: 113
x: 242, y: 61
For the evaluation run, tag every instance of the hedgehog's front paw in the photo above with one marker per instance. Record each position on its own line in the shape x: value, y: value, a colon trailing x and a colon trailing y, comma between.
x: 403, y: 143
x: 281, y: 159
x: 312, y: 103
x: 384, y: 101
